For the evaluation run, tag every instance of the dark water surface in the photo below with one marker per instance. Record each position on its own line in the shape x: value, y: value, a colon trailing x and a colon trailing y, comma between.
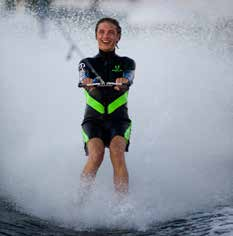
x: 218, y: 221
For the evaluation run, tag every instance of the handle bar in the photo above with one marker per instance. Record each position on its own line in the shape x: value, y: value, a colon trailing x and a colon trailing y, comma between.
x: 108, y: 84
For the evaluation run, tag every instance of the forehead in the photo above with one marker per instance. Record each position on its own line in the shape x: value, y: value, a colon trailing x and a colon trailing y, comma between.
x: 106, y: 26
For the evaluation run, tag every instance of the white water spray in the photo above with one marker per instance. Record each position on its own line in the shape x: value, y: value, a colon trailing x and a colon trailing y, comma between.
x: 181, y: 149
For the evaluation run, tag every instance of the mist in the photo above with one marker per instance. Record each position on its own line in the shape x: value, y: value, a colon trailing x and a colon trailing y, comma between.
x: 180, y: 158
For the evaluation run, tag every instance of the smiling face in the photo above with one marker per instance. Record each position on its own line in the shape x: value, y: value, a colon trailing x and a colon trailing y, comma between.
x: 107, y: 36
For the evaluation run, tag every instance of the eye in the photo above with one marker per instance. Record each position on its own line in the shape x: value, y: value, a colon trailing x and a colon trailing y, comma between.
x: 111, y: 32
x: 101, y: 31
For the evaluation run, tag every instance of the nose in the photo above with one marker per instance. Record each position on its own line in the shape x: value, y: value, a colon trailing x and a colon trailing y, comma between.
x: 105, y: 35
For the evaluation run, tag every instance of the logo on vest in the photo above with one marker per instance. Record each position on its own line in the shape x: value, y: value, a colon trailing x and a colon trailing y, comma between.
x: 117, y: 68
x: 81, y: 66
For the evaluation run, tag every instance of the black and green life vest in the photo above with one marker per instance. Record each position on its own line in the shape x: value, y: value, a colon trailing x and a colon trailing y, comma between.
x: 105, y: 102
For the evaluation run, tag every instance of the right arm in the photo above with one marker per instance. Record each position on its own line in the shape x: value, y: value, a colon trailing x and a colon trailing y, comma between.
x: 84, y: 74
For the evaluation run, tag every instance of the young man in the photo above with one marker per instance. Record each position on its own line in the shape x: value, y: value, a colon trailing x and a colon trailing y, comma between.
x: 106, y: 122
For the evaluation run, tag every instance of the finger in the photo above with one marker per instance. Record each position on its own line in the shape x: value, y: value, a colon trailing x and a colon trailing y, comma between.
x: 91, y: 88
x: 117, y: 88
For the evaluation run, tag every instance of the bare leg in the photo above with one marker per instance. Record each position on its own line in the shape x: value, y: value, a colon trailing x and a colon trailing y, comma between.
x: 95, y: 157
x: 117, y: 150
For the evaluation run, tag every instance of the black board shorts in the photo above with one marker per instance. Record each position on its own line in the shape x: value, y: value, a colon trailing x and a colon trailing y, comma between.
x: 106, y: 130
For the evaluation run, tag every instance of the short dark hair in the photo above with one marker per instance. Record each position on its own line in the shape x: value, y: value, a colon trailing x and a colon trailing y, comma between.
x: 110, y: 20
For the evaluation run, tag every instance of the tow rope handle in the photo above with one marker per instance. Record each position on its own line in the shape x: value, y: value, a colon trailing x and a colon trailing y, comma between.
x: 107, y: 84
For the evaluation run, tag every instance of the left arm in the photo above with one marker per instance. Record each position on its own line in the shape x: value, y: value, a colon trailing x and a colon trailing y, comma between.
x: 128, y: 74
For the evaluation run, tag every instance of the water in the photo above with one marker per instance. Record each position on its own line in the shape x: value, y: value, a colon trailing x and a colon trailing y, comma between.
x: 214, y: 222
x: 180, y: 159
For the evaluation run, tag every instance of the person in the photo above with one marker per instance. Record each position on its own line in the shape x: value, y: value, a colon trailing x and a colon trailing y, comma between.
x: 106, y: 122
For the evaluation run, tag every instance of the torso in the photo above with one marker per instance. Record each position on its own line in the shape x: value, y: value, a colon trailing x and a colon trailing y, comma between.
x: 109, y: 67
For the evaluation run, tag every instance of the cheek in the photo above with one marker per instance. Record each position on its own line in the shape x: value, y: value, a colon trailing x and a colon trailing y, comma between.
x: 115, y: 39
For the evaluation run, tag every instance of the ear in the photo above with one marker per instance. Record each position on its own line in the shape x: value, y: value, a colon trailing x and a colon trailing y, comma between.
x: 118, y: 37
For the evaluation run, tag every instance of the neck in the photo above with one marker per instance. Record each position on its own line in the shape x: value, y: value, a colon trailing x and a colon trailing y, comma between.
x: 107, y: 53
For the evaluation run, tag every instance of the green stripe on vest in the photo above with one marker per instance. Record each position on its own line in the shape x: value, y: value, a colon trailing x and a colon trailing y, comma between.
x: 94, y: 103
x: 118, y: 102
x: 85, y: 137
x: 128, y: 132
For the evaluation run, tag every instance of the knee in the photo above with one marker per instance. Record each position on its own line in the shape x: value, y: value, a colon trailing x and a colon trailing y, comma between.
x: 117, y: 151
x: 96, y: 157
x: 117, y: 156
x: 95, y: 148
x: 117, y: 146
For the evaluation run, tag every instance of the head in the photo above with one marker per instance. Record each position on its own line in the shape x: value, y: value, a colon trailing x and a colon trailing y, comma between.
x: 107, y: 33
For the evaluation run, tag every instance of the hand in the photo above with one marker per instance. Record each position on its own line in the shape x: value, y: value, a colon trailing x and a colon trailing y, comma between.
x: 88, y: 81
x: 120, y: 80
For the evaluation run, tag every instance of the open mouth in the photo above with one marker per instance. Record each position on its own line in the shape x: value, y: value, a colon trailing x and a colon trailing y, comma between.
x: 106, y: 42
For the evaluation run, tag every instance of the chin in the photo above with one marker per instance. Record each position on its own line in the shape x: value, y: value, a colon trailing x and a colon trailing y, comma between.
x: 107, y: 49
